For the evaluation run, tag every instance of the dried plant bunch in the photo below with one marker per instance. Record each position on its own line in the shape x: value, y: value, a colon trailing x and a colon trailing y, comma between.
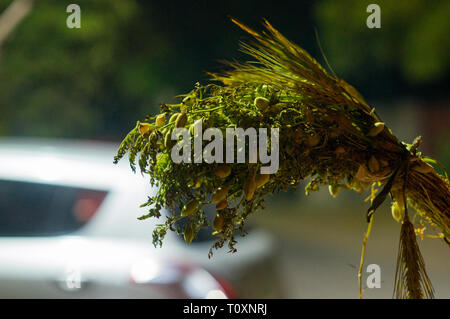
x: 327, y: 133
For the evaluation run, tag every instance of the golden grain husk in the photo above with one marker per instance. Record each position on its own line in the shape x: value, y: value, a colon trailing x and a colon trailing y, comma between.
x: 218, y: 222
x: 220, y: 194
x: 181, y: 120
x: 222, y: 204
x: 189, y: 233
x: 261, y: 180
x: 222, y: 170
x: 397, y: 211
x: 174, y: 117
x: 145, y: 128
x: 422, y: 167
x: 168, y: 142
x: 377, y: 128
x: 160, y: 120
x: 334, y: 189
x: 250, y: 187
x: 261, y: 103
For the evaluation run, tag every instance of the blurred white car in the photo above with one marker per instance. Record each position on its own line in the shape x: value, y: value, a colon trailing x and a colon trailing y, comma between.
x: 69, y: 229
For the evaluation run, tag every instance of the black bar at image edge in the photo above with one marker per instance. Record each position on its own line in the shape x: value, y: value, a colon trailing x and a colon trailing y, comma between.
x: 221, y: 308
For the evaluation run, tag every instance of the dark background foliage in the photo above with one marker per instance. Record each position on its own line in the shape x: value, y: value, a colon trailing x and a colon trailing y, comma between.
x: 128, y: 56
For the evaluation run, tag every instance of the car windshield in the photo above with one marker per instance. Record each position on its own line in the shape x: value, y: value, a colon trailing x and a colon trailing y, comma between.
x: 34, y: 209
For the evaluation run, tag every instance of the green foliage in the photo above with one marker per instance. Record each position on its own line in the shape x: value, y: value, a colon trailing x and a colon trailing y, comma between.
x: 93, y: 81
x: 327, y: 132
x: 129, y: 56
x: 126, y: 144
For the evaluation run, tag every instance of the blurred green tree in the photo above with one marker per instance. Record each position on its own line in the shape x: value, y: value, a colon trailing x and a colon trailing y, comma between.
x: 411, y: 46
x: 130, y: 55
x: 56, y: 81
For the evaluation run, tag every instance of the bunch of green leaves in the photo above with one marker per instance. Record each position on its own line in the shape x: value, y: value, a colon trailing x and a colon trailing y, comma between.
x: 323, y: 123
x: 327, y: 132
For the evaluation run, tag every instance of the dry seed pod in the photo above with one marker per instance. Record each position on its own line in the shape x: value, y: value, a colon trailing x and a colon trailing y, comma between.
x: 160, y: 119
x: 373, y: 164
x: 164, y: 131
x: 190, y: 208
x: 174, y: 117
x: 144, y: 128
x: 153, y: 138
x: 222, y: 204
x: 220, y: 194
x: 218, y: 222
x: 261, y: 103
x: 250, y: 187
x: 181, y: 120
x: 261, y: 180
x: 168, y: 142
x: 313, y: 140
x: 422, y: 167
x: 334, y: 189
x: 397, y: 211
x: 189, y: 233
x: 222, y: 170
x: 339, y: 150
x: 377, y: 128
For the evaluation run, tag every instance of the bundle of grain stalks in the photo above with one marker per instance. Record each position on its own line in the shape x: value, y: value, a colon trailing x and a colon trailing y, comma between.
x: 327, y: 132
